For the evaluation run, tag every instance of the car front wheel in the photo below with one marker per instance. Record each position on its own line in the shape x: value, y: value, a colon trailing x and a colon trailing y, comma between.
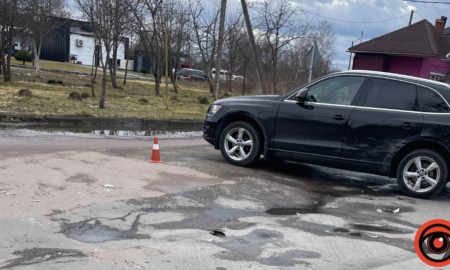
x: 240, y: 143
x: 422, y: 173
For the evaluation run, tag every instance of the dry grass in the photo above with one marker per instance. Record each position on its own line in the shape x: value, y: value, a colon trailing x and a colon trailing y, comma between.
x: 53, y: 99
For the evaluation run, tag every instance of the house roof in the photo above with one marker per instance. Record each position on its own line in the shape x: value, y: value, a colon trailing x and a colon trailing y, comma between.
x: 418, y: 39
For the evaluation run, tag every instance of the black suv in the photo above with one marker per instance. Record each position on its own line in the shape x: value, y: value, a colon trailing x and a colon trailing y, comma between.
x: 365, y: 121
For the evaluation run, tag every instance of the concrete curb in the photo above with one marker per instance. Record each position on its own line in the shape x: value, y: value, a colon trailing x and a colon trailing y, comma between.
x: 80, y: 122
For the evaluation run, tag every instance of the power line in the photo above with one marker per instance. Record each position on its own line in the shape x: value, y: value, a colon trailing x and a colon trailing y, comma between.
x: 427, y: 2
x: 350, y: 21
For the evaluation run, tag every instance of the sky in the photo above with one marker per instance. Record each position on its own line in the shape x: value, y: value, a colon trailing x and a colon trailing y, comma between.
x: 349, y: 17
x: 374, y: 17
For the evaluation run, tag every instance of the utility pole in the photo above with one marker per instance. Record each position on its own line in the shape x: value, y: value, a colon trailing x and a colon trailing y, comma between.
x: 411, y: 17
x: 311, y: 64
x: 353, y: 42
x: 223, y: 8
x: 251, y: 37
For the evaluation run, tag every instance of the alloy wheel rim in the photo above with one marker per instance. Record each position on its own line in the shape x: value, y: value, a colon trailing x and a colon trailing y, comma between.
x: 238, y: 144
x: 421, y: 174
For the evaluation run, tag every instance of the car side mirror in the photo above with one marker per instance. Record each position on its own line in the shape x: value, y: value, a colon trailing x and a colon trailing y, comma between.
x: 301, y: 95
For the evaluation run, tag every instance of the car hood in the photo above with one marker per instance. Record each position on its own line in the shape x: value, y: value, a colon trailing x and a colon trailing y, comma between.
x: 240, y: 99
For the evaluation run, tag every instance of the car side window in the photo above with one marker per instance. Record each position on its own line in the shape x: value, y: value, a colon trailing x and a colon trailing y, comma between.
x: 338, y: 90
x: 390, y: 94
x: 430, y: 101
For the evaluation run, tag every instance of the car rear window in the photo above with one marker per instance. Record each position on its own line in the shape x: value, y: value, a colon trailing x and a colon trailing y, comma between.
x: 430, y: 101
x: 390, y: 94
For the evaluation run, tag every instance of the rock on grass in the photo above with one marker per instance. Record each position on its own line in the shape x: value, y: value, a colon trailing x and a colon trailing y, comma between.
x: 203, y: 100
x: 24, y: 93
x: 55, y: 82
x: 143, y: 101
x: 74, y: 96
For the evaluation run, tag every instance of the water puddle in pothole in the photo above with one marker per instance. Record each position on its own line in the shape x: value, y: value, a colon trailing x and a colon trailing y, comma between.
x: 93, y: 231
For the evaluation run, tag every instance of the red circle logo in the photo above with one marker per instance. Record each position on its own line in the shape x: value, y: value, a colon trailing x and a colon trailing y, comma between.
x: 432, y: 243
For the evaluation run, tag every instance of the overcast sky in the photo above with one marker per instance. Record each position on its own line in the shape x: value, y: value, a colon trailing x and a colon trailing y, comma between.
x: 349, y: 17
x: 374, y: 17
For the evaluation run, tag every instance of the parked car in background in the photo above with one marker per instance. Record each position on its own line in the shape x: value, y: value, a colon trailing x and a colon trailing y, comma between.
x: 224, y: 74
x: 191, y: 74
x: 237, y: 78
x: 373, y: 122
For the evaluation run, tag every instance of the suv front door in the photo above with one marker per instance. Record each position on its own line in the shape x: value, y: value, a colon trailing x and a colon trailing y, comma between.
x: 318, y: 126
x: 386, y: 119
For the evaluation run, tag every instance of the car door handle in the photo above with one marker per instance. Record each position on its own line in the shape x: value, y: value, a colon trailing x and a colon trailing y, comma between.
x: 338, y: 117
x: 407, y: 125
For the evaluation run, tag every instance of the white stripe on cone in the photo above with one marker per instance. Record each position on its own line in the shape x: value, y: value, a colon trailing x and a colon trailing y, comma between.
x: 156, y: 147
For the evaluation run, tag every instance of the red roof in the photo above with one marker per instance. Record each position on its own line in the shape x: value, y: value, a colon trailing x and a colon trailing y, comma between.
x: 418, y: 39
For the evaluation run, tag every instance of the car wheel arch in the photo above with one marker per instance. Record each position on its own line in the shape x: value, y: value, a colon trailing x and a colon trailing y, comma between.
x: 415, y: 145
x: 240, y: 116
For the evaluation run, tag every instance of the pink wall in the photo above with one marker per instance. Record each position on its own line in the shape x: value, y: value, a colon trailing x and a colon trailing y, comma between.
x: 434, y: 64
x: 405, y: 65
x: 413, y: 66
x: 368, y: 62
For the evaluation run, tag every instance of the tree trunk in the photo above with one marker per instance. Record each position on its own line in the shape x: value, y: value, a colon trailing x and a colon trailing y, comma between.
x: 157, y: 86
x: 101, y: 104
x: 253, y: 45
x: 7, y: 72
x: 243, y: 81
x: 126, y: 73
x: 223, y: 8
x: 92, y: 75
x: 37, y: 52
x: 113, y: 67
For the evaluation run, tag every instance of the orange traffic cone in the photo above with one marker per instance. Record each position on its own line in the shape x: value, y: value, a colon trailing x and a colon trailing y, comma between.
x: 156, y: 158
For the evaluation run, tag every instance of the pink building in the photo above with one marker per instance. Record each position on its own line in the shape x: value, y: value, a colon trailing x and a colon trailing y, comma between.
x: 420, y: 50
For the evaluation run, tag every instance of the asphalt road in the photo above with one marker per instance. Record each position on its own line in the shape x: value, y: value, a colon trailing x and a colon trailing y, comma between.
x: 94, y: 202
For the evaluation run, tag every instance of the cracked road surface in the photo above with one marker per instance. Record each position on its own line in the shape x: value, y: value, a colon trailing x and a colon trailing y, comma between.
x: 94, y: 202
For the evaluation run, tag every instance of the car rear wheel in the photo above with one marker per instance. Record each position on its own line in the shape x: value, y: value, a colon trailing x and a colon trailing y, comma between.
x: 422, y: 173
x: 240, y: 143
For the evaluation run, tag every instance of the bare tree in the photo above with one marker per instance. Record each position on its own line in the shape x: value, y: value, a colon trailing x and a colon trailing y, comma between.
x: 9, y: 26
x: 204, y: 30
x: 179, y: 39
x: 153, y: 19
x: 280, y: 27
x: 220, y: 41
x: 235, y: 43
x: 100, y: 14
x: 121, y: 22
x: 40, y: 23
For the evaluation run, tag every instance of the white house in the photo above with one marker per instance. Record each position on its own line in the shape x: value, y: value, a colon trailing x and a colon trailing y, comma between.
x: 73, y: 40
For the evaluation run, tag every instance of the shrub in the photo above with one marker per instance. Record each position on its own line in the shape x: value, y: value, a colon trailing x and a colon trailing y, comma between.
x: 203, y: 100
x: 23, y: 56
x: 51, y: 81
x: 74, y: 96
x: 84, y: 95
x: 174, y: 98
x: 143, y: 101
x: 24, y: 93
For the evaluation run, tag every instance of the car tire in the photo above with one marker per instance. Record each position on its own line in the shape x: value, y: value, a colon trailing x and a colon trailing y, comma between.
x: 240, y: 143
x: 422, y: 173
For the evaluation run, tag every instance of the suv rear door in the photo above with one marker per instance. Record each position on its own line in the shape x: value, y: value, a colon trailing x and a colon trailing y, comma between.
x: 386, y: 119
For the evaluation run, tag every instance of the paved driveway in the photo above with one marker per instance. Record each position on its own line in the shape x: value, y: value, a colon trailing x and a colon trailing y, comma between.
x: 94, y: 202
